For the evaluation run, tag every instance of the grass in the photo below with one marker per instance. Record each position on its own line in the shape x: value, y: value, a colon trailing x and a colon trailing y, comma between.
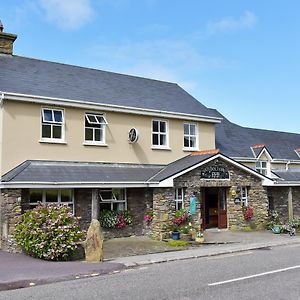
x: 178, y: 243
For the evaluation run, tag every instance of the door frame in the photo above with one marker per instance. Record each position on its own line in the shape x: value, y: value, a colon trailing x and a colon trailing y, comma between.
x: 220, y: 212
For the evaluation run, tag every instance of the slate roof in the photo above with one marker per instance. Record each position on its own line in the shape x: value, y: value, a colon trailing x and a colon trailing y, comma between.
x: 43, y: 78
x: 236, y: 141
x: 62, y: 172
x: 288, y: 175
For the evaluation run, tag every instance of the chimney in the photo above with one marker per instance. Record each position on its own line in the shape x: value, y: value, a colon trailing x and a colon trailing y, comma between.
x: 6, y: 41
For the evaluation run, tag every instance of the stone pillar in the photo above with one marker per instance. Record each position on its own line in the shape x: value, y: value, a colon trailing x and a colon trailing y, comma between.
x: 10, y: 211
x: 290, y: 204
x: 95, y: 204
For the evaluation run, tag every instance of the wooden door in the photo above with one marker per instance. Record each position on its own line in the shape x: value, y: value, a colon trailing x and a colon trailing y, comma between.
x: 222, y: 209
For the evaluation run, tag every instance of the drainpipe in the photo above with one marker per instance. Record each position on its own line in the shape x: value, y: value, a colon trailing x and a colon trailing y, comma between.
x: 1, y: 98
x: 287, y: 165
x: 290, y: 204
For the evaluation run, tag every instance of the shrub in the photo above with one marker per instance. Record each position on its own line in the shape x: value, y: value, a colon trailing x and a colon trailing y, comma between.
x: 248, y: 213
x: 180, y: 217
x: 273, y: 219
x: 49, y: 232
x: 113, y: 219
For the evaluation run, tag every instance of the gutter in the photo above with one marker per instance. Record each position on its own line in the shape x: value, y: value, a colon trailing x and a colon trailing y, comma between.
x: 107, y: 107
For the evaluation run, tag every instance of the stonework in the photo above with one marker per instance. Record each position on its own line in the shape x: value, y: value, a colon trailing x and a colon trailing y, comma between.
x: 164, y: 205
x: 10, y: 212
x: 94, y: 242
x: 6, y: 42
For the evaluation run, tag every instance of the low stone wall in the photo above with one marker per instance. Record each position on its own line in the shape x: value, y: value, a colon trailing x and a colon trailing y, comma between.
x: 10, y: 212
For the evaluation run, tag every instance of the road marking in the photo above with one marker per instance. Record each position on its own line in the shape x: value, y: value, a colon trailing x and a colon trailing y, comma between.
x: 254, y: 276
x: 229, y: 255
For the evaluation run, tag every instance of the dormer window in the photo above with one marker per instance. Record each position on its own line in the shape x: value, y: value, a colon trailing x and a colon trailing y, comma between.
x: 52, y: 124
x: 95, y: 128
x: 262, y: 167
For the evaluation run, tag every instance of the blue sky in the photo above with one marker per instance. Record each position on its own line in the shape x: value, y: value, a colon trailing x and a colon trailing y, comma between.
x: 240, y: 57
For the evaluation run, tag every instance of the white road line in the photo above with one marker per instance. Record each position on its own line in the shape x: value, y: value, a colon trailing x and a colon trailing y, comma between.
x: 253, y: 276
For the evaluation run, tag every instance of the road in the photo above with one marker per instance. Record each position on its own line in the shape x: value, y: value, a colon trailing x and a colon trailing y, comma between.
x: 260, y: 274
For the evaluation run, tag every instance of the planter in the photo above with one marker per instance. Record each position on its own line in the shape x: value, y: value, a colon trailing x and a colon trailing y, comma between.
x: 199, y: 240
x: 175, y: 236
x: 277, y: 229
x: 186, y: 237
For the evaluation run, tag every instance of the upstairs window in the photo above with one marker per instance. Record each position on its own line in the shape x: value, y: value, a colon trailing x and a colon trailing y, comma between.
x: 190, y: 136
x: 95, y: 128
x: 52, y: 124
x: 159, y: 133
x: 262, y: 167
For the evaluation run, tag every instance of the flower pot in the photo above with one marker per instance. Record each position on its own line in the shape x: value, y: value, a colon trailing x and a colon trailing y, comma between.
x: 186, y: 237
x: 199, y: 240
x: 276, y: 229
x: 175, y: 235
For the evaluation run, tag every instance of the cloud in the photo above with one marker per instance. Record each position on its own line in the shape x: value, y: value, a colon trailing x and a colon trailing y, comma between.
x: 228, y: 24
x: 163, y: 59
x: 67, y: 14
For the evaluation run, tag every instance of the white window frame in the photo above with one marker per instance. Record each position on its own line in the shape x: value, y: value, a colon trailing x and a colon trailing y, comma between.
x: 53, y: 123
x: 260, y: 169
x: 189, y: 136
x: 159, y: 133
x: 244, y: 196
x: 58, y: 198
x: 114, y: 199
x: 179, y: 200
x: 103, y: 124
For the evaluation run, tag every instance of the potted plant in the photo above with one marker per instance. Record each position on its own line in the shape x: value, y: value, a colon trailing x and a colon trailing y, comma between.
x: 199, y: 237
x: 186, y: 234
x: 175, y: 234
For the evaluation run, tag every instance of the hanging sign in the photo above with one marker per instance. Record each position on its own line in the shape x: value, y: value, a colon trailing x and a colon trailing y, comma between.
x: 193, y: 201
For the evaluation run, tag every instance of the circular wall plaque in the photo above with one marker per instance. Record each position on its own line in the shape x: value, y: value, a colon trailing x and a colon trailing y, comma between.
x: 133, y: 135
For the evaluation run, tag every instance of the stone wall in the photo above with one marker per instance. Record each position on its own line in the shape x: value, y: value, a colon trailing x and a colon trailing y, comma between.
x: 83, y: 207
x: 164, y: 205
x: 10, y: 211
x: 279, y: 201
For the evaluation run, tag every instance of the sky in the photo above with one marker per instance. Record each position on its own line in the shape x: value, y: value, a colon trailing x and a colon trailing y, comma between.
x: 238, y: 56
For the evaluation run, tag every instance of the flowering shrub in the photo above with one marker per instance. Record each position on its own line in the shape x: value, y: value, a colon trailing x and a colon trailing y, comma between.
x: 113, y: 219
x: 248, y: 213
x: 49, y: 232
x: 180, y: 217
x: 148, y: 216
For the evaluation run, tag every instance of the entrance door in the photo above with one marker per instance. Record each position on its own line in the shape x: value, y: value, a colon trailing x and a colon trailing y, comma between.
x: 214, y: 210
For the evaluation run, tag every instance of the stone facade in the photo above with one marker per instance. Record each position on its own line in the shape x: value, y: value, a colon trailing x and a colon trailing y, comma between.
x: 278, y: 197
x: 164, y: 205
x: 10, y: 211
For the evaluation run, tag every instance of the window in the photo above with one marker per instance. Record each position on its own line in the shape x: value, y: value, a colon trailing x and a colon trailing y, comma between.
x: 244, y: 196
x: 190, y: 136
x: 95, y: 128
x: 52, y: 124
x: 51, y: 196
x: 179, y: 198
x: 113, y: 199
x: 262, y: 167
x: 159, y: 133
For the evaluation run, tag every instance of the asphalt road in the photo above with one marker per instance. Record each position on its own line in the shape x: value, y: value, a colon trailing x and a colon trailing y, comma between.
x: 260, y: 274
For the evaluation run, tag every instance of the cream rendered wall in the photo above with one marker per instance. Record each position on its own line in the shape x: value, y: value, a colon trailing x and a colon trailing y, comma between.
x: 21, y: 135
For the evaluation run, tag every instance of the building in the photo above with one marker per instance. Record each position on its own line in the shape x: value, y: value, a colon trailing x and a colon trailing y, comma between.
x: 101, y: 140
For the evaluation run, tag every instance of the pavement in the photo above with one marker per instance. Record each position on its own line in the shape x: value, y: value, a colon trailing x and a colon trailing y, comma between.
x: 20, y: 270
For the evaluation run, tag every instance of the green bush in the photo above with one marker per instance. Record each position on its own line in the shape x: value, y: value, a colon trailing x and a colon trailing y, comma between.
x: 49, y: 232
x: 113, y: 219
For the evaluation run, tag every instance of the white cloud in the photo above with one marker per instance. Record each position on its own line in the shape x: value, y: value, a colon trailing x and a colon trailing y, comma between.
x: 247, y: 21
x: 67, y: 14
x: 163, y: 59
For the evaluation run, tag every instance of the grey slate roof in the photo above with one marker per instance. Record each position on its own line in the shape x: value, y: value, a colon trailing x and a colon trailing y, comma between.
x: 236, y: 141
x: 179, y: 165
x: 288, y: 175
x: 43, y: 78
x: 61, y: 172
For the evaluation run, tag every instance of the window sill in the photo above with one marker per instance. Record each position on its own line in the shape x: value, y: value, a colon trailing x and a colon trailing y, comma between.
x: 190, y: 149
x: 160, y: 148
x: 94, y: 144
x: 52, y: 141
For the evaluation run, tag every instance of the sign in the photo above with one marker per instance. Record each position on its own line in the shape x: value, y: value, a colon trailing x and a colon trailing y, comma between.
x: 216, y: 171
x: 193, y: 201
